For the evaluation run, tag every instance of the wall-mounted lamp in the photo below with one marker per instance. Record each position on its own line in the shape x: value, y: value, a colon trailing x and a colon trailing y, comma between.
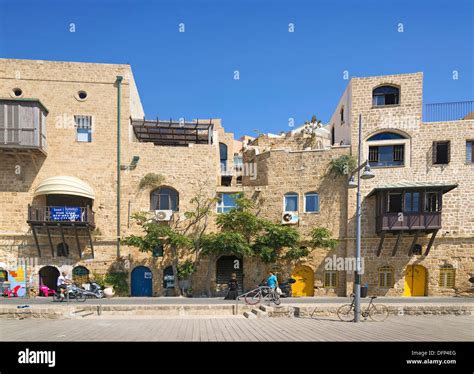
x: 132, y: 165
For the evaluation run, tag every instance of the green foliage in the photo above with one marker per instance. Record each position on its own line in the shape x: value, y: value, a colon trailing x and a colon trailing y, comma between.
x: 99, y: 279
x: 151, y: 180
x: 296, y: 253
x: 225, y: 242
x: 343, y: 165
x: 185, y: 269
x: 273, y: 239
x: 321, y: 237
x: 119, y: 281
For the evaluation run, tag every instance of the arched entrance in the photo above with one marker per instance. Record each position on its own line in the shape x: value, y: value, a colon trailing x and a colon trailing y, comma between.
x: 168, y: 281
x: 228, y: 265
x: 48, y: 276
x: 415, y: 281
x: 304, y: 285
x: 142, y: 281
x: 80, y: 275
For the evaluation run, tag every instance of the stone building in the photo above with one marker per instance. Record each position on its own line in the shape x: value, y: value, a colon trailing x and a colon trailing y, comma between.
x: 63, y: 125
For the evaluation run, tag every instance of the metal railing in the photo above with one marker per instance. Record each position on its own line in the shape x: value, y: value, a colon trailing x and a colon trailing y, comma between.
x: 440, y: 112
x: 60, y: 214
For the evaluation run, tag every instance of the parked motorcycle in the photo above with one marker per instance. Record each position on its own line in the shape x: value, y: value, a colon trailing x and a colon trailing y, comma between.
x: 285, y: 288
x: 72, y: 292
x: 94, y: 290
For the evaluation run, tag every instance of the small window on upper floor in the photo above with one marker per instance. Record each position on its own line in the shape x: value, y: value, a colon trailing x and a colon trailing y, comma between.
x: 311, y: 202
x: 441, y: 153
x: 470, y: 152
x: 291, y: 202
x: 164, y: 198
x: 385, y: 95
x: 83, y: 128
x: 342, y: 115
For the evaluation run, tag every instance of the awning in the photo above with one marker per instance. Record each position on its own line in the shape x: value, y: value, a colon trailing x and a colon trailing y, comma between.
x: 444, y: 187
x: 64, y: 185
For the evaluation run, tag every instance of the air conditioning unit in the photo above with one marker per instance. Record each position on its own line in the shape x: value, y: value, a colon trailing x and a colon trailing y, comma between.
x: 289, y: 218
x: 163, y: 215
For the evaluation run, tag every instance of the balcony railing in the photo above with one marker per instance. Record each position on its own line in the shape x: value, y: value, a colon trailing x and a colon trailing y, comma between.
x: 61, y: 214
x: 440, y: 112
x: 408, y: 221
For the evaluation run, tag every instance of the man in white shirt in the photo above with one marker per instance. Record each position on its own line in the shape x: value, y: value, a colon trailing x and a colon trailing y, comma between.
x: 62, y: 283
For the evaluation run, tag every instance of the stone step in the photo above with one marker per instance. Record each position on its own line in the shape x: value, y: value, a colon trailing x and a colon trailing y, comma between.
x: 260, y: 313
x: 250, y: 315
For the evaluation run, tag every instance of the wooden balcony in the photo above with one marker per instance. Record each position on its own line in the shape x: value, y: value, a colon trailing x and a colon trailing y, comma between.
x: 425, y: 221
x: 22, y: 126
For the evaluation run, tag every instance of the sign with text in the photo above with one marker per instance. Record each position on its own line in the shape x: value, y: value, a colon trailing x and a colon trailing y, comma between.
x: 65, y: 213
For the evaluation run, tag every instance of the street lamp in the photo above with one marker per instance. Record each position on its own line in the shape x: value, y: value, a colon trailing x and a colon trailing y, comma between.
x: 367, y: 174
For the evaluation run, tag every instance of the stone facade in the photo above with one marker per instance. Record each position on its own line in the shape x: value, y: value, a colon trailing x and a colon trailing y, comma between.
x: 283, y: 164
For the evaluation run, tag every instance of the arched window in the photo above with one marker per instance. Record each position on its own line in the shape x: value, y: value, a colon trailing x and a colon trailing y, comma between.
x: 311, y: 202
x: 291, y: 202
x: 80, y: 274
x: 62, y: 249
x: 387, y: 135
x: 331, y: 279
x: 164, y: 198
x: 385, y: 95
x: 385, y: 277
x: 447, y: 276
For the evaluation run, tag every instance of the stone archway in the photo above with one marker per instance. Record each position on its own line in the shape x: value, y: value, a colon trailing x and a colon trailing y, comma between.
x: 48, y: 276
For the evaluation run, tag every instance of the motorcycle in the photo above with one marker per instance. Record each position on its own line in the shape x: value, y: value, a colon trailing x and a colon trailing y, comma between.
x: 94, y: 290
x: 71, y: 292
x: 285, y: 288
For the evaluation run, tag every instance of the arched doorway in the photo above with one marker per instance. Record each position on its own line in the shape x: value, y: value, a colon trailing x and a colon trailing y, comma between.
x: 415, y: 281
x: 48, y: 276
x: 168, y: 281
x: 228, y: 265
x: 142, y: 281
x: 80, y: 275
x: 304, y: 285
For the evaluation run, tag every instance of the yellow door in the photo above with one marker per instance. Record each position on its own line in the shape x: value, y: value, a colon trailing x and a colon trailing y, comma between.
x: 415, y: 281
x: 304, y: 285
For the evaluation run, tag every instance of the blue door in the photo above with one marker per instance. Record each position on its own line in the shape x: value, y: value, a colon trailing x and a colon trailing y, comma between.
x: 142, y: 281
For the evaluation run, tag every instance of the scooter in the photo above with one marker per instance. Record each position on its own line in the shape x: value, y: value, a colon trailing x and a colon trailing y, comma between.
x: 94, y: 290
x: 285, y: 288
x: 71, y: 292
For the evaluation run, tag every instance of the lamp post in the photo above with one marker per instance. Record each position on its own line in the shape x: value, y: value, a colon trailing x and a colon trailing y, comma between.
x: 367, y: 174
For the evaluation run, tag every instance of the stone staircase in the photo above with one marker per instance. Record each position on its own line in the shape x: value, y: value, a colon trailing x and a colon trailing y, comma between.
x: 265, y: 311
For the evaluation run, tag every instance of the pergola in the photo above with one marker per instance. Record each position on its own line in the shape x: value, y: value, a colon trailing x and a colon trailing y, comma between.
x: 173, y: 133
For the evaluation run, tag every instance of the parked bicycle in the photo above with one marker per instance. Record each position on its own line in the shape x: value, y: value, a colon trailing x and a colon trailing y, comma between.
x: 375, y: 312
x: 256, y: 295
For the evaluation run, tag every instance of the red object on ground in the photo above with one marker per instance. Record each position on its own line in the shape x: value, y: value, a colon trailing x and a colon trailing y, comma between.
x: 13, y: 292
x: 46, y: 291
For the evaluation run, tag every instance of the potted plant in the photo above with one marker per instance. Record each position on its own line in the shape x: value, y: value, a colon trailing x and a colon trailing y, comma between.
x: 185, y: 270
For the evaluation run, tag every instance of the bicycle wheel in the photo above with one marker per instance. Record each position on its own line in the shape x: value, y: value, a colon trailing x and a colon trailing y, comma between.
x: 346, y: 313
x: 80, y: 296
x: 378, y: 312
x: 253, y: 298
x: 276, y: 299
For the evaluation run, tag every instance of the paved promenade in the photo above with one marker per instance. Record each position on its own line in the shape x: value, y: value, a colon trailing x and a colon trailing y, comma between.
x: 196, y: 328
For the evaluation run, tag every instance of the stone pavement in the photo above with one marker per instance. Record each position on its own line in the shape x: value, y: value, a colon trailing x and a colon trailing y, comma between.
x: 194, y: 328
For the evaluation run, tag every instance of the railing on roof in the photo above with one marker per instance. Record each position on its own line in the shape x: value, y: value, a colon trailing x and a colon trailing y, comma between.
x: 439, y: 112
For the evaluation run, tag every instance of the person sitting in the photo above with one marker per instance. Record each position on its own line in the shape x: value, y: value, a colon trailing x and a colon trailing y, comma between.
x: 233, y: 288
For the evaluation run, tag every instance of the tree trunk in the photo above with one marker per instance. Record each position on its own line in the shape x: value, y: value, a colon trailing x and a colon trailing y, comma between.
x: 208, y: 276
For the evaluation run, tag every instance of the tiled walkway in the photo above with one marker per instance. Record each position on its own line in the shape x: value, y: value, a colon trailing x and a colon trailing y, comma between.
x: 406, y: 328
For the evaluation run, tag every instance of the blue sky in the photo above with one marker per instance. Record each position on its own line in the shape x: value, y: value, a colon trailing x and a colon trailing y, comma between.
x: 282, y: 75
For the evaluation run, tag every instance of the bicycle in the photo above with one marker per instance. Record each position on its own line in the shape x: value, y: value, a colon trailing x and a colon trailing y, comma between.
x: 378, y: 313
x: 255, y: 296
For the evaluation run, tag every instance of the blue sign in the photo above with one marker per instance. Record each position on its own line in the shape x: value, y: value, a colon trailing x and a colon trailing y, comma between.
x: 65, y: 213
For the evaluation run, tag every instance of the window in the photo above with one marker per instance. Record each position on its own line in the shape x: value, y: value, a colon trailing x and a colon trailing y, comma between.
x: 226, y: 202
x: 82, y: 95
x: 17, y: 92
x: 158, y: 251
x: 432, y: 202
x: 389, y: 155
x: 83, y: 128
x: 447, y: 276
x: 238, y: 163
x: 394, y: 202
x: 385, y: 277
x: 311, y: 202
x: 291, y: 202
x: 223, y: 156
x: 164, y: 198
x: 412, y: 202
x: 330, y: 279
x: 342, y: 115
x: 441, y: 153
x: 385, y: 136
x: 417, y: 249
x: 62, y: 250
x: 385, y: 95
x: 470, y: 151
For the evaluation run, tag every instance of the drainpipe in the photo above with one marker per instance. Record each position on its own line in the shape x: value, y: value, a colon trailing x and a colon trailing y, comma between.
x: 119, y: 90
